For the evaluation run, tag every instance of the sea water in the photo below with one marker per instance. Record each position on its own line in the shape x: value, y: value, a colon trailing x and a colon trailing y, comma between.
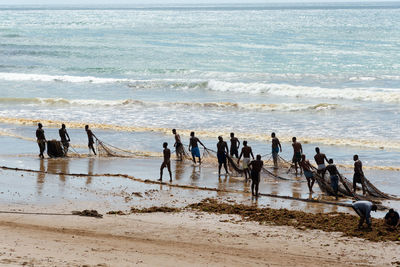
x: 328, y: 74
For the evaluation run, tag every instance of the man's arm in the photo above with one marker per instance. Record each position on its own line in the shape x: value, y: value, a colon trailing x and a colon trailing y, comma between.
x: 251, y: 153
x: 201, y: 142
x: 69, y: 139
x: 238, y: 143
x: 279, y: 144
x: 326, y: 159
x: 301, y: 149
x: 227, y: 149
x: 240, y: 156
x: 190, y: 145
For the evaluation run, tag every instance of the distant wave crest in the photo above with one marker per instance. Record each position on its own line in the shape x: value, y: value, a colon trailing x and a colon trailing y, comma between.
x: 204, y: 105
x: 375, y: 94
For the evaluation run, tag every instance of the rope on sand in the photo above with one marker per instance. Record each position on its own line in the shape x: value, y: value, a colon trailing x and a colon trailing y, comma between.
x: 191, y: 187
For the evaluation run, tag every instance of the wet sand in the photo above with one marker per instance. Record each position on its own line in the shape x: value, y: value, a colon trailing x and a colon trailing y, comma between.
x: 190, y: 237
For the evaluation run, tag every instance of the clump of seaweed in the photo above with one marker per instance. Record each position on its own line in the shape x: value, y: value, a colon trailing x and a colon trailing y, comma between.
x: 116, y: 212
x: 328, y: 222
x: 154, y: 209
x: 88, y: 213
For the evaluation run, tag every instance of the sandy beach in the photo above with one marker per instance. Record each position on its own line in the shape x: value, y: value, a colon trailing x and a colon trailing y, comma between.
x: 178, y: 239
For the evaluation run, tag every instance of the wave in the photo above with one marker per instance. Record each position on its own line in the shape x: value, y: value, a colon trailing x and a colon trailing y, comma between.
x: 58, y: 78
x: 365, y: 143
x: 131, y: 103
x: 374, y: 94
x: 287, y: 90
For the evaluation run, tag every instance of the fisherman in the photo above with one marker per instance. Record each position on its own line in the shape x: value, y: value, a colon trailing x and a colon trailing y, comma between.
x: 90, y: 135
x: 334, y: 175
x: 306, y: 166
x: 166, y: 162
x: 235, y: 144
x: 256, y: 166
x: 320, y: 159
x: 222, y: 151
x: 297, y: 152
x: 363, y: 209
x: 64, y: 138
x: 358, y: 176
x: 178, y: 145
x: 246, y: 152
x: 41, y: 139
x: 276, y: 147
x: 392, y: 219
x: 194, y: 147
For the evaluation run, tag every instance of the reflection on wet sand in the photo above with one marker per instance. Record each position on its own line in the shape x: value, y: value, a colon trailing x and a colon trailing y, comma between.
x: 185, y: 174
x: 40, y: 177
x: 179, y: 170
x: 90, y: 170
x: 59, y: 166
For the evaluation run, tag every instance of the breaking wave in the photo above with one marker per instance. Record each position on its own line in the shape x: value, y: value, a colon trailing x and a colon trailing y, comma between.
x: 131, y: 103
x: 270, y: 88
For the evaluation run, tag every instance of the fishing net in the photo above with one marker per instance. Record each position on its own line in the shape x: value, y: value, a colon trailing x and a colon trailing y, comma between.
x: 107, y: 150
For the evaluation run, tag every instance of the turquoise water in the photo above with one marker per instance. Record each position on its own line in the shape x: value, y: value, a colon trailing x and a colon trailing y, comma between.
x: 328, y: 74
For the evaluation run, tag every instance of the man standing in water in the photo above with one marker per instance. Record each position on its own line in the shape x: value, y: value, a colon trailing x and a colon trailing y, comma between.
x: 194, y: 147
x: 358, y: 176
x: 64, y: 138
x: 41, y: 139
x: 178, y: 145
x: 222, y: 151
x: 234, y: 146
x: 246, y: 152
x: 256, y: 166
x: 306, y: 166
x: 297, y: 152
x: 166, y: 162
x: 276, y: 147
x: 320, y: 159
x: 331, y: 168
x: 90, y: 135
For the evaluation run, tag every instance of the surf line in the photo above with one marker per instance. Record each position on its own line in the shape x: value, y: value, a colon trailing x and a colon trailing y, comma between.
x: 177, y: 185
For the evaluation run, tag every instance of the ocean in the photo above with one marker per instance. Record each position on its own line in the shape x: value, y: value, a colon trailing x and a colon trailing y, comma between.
x: 328, y: 74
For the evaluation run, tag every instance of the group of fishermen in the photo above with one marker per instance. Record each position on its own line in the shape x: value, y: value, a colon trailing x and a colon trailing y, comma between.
x: 65, y: 139
x: 252, y: 168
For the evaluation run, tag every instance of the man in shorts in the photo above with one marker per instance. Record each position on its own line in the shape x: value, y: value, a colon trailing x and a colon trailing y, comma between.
x: 297, y: 152
x: 358, y: 176
x: 256, y: 166
x: 64, y: 138
x: 166, y: 162
x: 235, y: 143
x: 41, y: 139
x: 178, y: 145
x: 194, y: 147
x: 246, y: 153
x: 90, y: 135
x: 320, y: 159
x: 306, y: 166
x: 334, y: 175
x: 222, y: 151
x: 276, y: 147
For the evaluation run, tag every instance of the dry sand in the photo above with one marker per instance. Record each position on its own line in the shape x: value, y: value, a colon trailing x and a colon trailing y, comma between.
x: 177, y: 239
